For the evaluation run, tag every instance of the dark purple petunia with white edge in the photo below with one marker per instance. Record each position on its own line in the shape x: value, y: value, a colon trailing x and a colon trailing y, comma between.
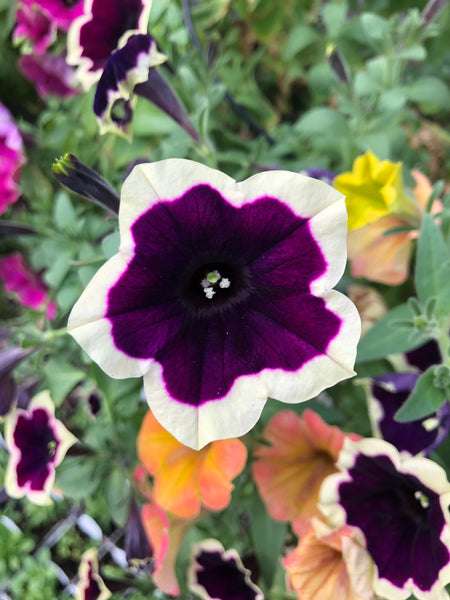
x: 37, y: 443
x: 126, y: 68
x: 386, y: 395
x: 90, y: 585
x: 129, y: 72
x: 220, y: 296
x: 103, y: 27
x: 216, y: 574
x: 400, y: 504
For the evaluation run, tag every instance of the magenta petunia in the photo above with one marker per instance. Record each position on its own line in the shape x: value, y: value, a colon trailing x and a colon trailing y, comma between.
x: 400, y: 505
x: 220, y: 296
x: 24, y: 284
x: 12, y: 158
x: 50, y: 73
x: 103, y: 27
x: 34, y: 27
x: 37, y: 443
x: 61, y: 13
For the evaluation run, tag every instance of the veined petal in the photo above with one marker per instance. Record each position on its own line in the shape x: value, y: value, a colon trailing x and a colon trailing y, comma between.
x: 213, y: 352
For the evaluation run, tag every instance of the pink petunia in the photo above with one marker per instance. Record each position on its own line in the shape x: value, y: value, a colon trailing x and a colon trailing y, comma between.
x: 24, y: 284
x: 12, y: 159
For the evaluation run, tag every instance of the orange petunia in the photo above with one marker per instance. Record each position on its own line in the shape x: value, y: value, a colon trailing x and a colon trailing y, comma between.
x: 380, y: 256
x: 288, y: 473
x: 330, y: 565
x: 185, y: 480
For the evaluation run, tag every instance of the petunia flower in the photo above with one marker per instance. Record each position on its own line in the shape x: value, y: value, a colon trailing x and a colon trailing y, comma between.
x: 373, y: 189
x: 129, y: 72
x: 216, y: 574
x: 24, y: 284
x: 37, y: 443
x: 103, y: 27
x: 220, y: 296
x: 138, y: 550
x: 165, y: 534
x: 34, y: 27
x: 399, y: 503
x: 370, y: 304
x: 330, y: 564
x: 50, y: 73
x: 386, y: 394
x: 90, y: 585
x: 320, y: 174
x: 12, y: 159
x: 289, y: 472
x: 381, y: 250
x: 61, y: 13
x: 184, y: 480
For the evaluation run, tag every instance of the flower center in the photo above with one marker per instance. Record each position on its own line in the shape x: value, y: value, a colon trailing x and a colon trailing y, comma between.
x: 215, y: 284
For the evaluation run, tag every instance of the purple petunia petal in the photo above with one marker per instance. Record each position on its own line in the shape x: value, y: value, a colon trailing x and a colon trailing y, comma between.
x: 12, y: 159
x: 386, y: 395
x: 400, y: 505
x: 60, y: 12
x: 265, y: 325
x: 103, y: 28
x: 219, y: 575
x: 126, y: 68
x: 50, y: 73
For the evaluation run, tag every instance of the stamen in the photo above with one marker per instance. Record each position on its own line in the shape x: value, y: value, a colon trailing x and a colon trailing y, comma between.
x: 209, y: 292
x: 422, y: 498
x: 224, y: 283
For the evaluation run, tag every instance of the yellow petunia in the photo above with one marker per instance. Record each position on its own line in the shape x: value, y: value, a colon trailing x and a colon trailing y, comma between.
x: 374, y: 188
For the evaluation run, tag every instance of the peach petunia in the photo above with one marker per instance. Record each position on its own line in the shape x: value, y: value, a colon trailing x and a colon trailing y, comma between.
x: 384, y: 257
x: 370, y: 304
x: 288, y: 473
x: 185, y: 480
x: 330, y: 564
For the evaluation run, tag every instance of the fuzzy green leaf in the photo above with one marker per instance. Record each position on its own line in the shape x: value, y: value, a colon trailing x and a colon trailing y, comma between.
x: 388, y: 336
x: 424, y: 400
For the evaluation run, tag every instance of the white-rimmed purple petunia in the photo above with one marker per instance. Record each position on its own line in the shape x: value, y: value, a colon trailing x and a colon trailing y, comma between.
x: 400, y: 504
x: 126, y: 68
x: 216, y: 574
x: 37, y: 443
x: 220, y: 296
x: 103, y: 27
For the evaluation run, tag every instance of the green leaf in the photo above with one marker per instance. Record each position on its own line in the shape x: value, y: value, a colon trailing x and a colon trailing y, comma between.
x: 61, y: 378
x: 430, y: 90
x: 334, y: 16
x: 432, y: 274
x: 77, y: 477
x: 424, y: 400
x: 268, y: 536
x: 320, y: 120
x: 375, y: 27
x: 299, y: 38
x: 413, y: 53
x: 117, y: 491
x: 64, y: 213
x: 387, y: 337
x: 110, y: 244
